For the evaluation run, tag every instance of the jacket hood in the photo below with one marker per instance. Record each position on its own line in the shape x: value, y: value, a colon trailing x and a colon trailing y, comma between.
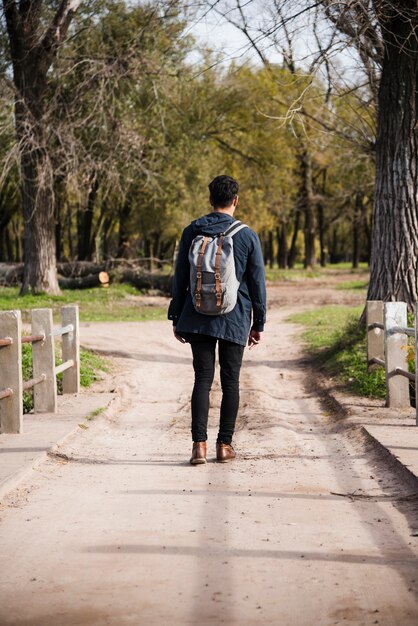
x: 212, y: 224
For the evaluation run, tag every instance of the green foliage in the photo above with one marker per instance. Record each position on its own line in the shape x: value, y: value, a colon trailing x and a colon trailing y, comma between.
x: 116, y: 303
x: 337, y: 343
x: 91, y: 364
x: 136, y: 131
x: 27, y: 375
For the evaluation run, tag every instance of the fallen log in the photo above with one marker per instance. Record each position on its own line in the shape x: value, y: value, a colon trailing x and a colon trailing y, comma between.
x: 75, y: 269
x: 86, y: 274
x: 84, y: 282
x: 11, y: 274
x: 147, y: 280
x: 79, y: 269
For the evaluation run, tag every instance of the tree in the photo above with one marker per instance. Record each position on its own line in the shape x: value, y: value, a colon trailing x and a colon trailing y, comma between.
x: 34, y: 40
x: 384, y: 34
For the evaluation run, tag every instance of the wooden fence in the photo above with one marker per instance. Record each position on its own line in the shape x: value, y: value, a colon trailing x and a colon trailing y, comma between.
x: 44, y: 381
x: 387, y: 346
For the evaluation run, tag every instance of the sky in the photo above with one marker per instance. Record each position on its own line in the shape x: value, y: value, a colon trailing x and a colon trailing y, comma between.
x: 213, y: 31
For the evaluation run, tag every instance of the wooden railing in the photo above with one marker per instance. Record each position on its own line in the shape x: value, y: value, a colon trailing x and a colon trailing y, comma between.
x: 44, y: 381
x: 387, y: 346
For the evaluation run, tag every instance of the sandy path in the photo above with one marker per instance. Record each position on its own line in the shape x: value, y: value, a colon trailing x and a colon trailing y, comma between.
x: 126, y: 532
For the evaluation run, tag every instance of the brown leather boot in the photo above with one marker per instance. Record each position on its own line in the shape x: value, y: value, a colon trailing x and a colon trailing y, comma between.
x: 198, y: 453
x: 224, y: 452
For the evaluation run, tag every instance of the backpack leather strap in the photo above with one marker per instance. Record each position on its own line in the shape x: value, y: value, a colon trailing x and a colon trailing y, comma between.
x: 218, y: 288
x: 199, y: 271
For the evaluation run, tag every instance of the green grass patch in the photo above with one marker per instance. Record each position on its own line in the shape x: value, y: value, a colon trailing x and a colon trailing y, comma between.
x: 299, y: 274
x: 116, y: 303
x: 337, y: 343
x: 291, y: 276
x: 355, y: 285
x: 95, y: 413
x: 91, y: 365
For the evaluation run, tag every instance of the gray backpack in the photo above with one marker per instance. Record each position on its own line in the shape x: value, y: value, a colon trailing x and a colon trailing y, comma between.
x: 213, y: 282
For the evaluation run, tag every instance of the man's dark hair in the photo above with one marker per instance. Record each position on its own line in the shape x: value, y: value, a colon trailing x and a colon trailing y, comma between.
x: 223, y: 189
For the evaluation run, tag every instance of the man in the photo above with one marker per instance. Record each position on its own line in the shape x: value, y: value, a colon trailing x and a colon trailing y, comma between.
x: 231, y: 331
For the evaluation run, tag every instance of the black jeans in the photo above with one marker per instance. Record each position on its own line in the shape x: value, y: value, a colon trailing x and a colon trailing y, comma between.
x: 230, y: 360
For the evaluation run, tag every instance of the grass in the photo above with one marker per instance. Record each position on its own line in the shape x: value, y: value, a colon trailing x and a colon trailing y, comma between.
x: 337, y: 343
x: 95, y: 413
x: 91, y: 364
x: 299, y: 273
x: 295, y: 275
x: 355, y: 285
x: 114, y: 304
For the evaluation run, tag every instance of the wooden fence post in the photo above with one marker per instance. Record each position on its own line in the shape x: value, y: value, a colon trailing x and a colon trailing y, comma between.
x: 11, y: 407
x: 43, y: 358
x: 375, y: 334
x: 71, y: 349
x: 397, y: 386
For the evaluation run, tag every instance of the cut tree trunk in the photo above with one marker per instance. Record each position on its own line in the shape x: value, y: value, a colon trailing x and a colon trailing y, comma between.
x: 11, y: 274
x: 85, y: 282
x: 142, y: 280
x: 394, y: 258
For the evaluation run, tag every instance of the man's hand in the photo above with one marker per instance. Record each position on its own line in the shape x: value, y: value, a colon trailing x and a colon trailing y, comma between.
x: 178, y: 336
x: 254, y: 338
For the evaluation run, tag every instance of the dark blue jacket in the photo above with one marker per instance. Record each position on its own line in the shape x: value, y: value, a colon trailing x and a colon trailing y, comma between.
x: 249, y: 268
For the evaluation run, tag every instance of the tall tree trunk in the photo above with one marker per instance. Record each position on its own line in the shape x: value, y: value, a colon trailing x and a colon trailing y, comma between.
x: 321, y: 232
x: 367, y: 231
x: 394, y: 258
x: 124, y: 230
x: 39, y: 274
x: 3, y: 249
x: 33, y: 46
x: 356, y: 231
x: 271, y: 249
x: 59, y: 218
x: 281, y: 246
x: 293, y: 244
x: 85, y: 223
x: 333, y: 253
x: 306, y: 193
x: 264, y: 248
x: 70, y: 235
x: 9, y: 245
x: 107, y: 224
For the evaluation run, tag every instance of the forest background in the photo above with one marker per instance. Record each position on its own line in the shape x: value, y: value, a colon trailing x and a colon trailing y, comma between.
x: 138, y: 117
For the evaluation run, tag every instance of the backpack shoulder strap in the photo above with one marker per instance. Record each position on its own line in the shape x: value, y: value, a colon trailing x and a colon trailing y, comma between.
x: 235, y: 228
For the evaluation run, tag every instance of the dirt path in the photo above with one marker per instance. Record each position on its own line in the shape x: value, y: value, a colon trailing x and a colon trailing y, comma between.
x: 119, y: 529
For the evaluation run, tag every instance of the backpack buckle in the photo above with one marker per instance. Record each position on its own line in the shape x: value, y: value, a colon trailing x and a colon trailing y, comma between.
x: 198, y: 274
x: 217, y: 276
